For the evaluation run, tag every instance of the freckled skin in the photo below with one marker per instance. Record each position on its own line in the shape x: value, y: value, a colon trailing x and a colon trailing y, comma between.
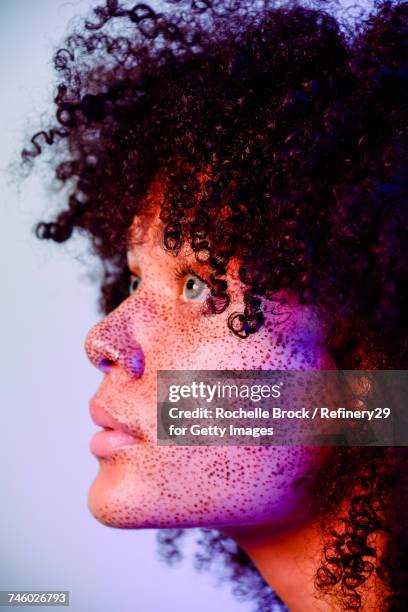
x: 147, y: 485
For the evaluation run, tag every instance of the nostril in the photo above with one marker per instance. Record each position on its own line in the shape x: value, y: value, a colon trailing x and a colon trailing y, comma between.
x: 105, y: 364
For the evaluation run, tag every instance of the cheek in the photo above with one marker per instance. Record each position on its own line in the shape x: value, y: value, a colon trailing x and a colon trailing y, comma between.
x: 214, y: 346
x: 168, y: 332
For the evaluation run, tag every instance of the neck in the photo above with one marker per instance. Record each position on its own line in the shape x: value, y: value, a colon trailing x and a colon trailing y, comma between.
x: 288, y: 561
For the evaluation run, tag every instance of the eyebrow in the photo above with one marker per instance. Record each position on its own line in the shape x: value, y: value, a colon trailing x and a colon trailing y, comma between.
x: 139, y: 237
x: 187, y: 258
x: 132, y: 242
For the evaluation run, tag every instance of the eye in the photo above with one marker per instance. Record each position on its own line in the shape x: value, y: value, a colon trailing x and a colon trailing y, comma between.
x: 194, y: 289
x: 134, y: 283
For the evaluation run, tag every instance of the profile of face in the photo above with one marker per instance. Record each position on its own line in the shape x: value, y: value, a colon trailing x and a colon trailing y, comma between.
x: 163, y: 325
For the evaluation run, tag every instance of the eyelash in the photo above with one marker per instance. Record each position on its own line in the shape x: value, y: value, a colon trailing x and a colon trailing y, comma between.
x: 180, y: 273
x: 184, y: 270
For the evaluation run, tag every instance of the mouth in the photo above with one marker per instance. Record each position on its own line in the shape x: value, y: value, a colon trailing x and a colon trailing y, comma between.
x: 114, y: 435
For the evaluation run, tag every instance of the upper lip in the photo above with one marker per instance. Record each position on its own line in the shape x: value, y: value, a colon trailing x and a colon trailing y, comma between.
x: 101, y: 416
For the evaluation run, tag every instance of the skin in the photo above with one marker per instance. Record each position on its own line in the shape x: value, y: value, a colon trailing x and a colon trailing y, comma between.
x: 147, y: 485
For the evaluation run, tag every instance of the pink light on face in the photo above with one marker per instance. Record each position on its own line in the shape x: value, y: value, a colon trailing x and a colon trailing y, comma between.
x: 146, y: 485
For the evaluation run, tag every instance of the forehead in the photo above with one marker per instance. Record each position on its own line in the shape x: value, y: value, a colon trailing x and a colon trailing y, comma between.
x: 147, y: 247
x: 145, y: 231
x: 147, y: 226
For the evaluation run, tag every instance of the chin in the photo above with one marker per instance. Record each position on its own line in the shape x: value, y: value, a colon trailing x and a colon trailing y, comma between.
x: 109, y: 501
x: 117, y: 502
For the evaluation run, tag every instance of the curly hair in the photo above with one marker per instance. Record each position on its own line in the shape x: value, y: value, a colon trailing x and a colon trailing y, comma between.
x: 297, y: 120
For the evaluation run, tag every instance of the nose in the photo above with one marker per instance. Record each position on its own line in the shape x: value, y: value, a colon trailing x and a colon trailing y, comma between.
x: 111, y: 343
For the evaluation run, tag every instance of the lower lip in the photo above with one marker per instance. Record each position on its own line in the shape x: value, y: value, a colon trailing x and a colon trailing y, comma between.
x: 107, y: 441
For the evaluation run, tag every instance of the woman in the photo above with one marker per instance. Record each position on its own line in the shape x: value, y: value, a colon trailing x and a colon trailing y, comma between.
x: 242, y: 169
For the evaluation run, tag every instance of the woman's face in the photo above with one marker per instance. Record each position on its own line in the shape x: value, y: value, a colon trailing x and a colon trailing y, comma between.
x: 161, y: 326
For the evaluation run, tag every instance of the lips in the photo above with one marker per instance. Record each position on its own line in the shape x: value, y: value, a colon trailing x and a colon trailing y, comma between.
x: 115, y: 435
